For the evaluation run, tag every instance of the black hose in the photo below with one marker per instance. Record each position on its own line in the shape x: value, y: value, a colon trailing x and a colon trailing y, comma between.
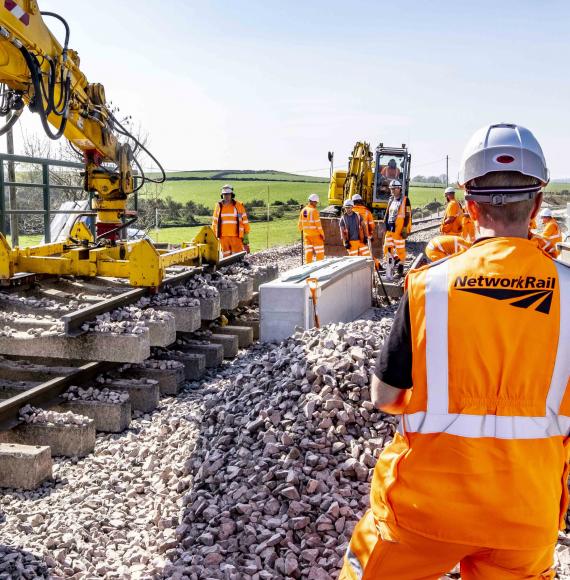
x: 11, y: 122
x: 117, y: 229
x: 34, y: 69
x: 64, y: 22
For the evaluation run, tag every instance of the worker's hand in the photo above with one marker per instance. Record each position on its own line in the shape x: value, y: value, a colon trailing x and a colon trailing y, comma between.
x: 246, y: 248
x: 347, y: 245
x: 245, y: 240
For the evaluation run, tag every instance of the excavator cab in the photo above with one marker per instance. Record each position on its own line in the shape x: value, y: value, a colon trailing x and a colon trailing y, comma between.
x: 389, y: 163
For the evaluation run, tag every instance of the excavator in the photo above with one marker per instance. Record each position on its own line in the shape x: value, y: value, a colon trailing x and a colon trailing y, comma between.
x: 369, y: 175
x: 37, y: 72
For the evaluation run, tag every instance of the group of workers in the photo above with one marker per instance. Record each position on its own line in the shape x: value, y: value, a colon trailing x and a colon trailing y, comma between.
x: 458, y: 231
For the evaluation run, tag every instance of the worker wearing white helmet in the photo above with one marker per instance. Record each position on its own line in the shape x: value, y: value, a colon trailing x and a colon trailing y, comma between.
x: 398, y: 221
x: 451, y: 223
x: 361, y: 209
x: 230, y: 223
x: 477, y: 471
x: 312, y: 231
x: 353, y: 231
x: 551, y: 234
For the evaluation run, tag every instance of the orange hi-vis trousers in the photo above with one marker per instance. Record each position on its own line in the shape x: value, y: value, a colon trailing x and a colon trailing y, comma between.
x: 314, y: 248
x: 416, y: 557
x: 394, y: 244
x: 358, y: 248
x: 231, y: 245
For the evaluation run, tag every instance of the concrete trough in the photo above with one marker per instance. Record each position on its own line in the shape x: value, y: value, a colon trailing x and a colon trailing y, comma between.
x: 108, y: 417
x: 63, y: 440
x: 210, y: 308
x: 24, y: 466
x: 92, y: 346
x: 229, y: 298
x: 345, y: 292
x: 187, y: 318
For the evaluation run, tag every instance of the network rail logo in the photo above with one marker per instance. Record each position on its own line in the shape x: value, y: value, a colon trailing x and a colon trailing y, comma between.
x: 522, y: 292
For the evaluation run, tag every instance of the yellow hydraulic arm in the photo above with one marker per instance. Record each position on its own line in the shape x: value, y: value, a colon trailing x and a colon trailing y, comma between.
x: 39, y: 72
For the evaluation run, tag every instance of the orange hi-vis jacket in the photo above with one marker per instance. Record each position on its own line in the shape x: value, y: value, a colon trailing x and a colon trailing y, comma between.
x: 452, y: 209
x: 368, y: 219
x: 551, y: 236
x: 310, y: 222
x: 481, y: 453
x: 230, y: 220
x: 444, y: 246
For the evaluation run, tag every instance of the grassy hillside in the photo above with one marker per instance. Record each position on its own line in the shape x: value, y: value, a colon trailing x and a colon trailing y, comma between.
x: 245, y: 174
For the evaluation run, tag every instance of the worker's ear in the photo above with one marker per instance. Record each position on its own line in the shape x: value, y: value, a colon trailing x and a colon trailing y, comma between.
x: 536, y: 206
x: 473, y: 210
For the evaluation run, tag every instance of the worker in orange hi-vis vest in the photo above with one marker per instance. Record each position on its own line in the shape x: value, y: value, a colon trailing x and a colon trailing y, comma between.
x: 444, y: 246
x: 391, y: 170
x: 366, y: 215
x: 313, y: 235
x: 230, y: 223
x: 398, y: 220
x: 551, y: 233
x: 478, y: 467
x: 468, y: 227
x: 452, y: 221
x: 353, y: 231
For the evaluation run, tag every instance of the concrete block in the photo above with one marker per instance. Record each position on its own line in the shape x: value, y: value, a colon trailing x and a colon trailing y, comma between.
x: 64, y: 440
x: 10, y: 389
x: 24, y: 371
x: 245, y: 290
x: 162, y: 332
x: 345, y: 292
x: 229, y: 342
x: 269, y: 274
x: 210, y: 308
x: 108, y: 417
x: 187, y: 319
x: 144, y: 396
x: 229, y: 298
x: 93, y: 346
x: 24, y: 466
x: 214, y: 353
x: 251, y: 323
x: 243, y: 333
x: 170, y: 381
x: 194, y: 364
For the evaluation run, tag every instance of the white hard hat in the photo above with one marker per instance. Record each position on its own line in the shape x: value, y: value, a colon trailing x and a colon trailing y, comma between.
x: 545, y: 213
x: 502, y: 147
x: 356, y: 197
x: 449, y: 190
x: 395, y: 183
x: 227, y: 189
x: 314, y: 197
x: 348, y: 203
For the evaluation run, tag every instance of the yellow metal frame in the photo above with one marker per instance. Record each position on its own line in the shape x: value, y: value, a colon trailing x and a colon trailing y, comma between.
x: 139, y: 262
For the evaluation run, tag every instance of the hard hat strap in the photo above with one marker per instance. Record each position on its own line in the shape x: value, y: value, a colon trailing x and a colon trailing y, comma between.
x: 501, y: 195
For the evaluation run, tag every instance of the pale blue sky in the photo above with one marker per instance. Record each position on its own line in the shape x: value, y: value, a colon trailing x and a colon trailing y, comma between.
x: 268, y: 84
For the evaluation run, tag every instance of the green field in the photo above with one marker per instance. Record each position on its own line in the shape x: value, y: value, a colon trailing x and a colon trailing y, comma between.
x: 237, y: 174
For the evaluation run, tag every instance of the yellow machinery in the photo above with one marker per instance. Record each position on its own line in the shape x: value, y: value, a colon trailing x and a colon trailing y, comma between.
x: 38, y: 72
x: 368, y: 175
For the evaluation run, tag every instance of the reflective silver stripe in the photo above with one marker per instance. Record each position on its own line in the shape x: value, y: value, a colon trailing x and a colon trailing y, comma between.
x: 354, y: 562
x: 436, y: 312
x: 495, y: 426
x: 561, y: 370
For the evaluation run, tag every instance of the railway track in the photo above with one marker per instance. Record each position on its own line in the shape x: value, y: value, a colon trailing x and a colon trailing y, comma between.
x: 99, y: 337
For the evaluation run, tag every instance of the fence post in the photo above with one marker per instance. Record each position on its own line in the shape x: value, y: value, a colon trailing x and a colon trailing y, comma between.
x: 46, y: 198
x: 268, y: 216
